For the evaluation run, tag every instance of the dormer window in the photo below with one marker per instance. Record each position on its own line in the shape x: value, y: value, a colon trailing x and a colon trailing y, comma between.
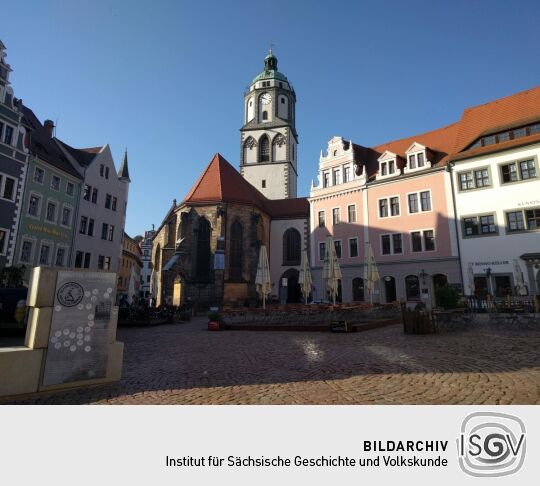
x: 387, y: 165
x: 417, y: 157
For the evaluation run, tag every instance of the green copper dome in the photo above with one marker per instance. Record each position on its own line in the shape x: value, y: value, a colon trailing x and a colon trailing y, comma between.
x: 270, y: 69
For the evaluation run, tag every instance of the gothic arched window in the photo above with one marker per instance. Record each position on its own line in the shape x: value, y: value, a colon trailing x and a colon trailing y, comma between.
x: 157, y: 260
x: 291, y: 247
x: 265, y: 115
x: 236, y: 252
x: 264, y: 149
x: 203, y: 250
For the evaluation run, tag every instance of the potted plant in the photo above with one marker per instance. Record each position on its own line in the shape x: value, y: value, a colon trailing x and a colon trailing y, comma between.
x: 214, y: 321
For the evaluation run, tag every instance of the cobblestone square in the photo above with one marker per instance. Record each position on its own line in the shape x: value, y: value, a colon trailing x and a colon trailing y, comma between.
x: 185, y: 364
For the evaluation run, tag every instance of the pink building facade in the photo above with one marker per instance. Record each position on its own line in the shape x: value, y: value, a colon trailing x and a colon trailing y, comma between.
x: 398, y: 198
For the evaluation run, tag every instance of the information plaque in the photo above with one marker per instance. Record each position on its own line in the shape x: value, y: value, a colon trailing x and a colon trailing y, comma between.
x: 78, y: 340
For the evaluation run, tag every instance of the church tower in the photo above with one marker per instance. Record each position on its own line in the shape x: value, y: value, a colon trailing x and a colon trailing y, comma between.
x: 268, y: 158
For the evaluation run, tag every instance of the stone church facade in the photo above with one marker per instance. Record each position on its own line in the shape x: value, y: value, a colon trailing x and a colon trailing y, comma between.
x: 206, y: 250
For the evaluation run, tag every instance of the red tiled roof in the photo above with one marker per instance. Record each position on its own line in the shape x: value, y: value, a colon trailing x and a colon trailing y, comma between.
x: 489, y: 118
x: 221, y: 182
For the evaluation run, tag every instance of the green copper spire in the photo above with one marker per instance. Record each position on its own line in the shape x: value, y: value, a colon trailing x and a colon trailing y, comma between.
x: 270, y: 69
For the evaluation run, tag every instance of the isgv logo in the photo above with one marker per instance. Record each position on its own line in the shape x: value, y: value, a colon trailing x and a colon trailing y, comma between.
x: 491, y: 444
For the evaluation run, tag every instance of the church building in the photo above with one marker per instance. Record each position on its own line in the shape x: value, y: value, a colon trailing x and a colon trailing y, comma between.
x: 207, y: 247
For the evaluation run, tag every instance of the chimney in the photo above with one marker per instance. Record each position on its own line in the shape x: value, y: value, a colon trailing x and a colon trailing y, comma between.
x: 49, y: 127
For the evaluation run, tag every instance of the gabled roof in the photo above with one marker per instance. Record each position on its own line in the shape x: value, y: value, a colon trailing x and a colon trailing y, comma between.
x: 221, y: 182
x: 44, y: 146
x: 83, y: 156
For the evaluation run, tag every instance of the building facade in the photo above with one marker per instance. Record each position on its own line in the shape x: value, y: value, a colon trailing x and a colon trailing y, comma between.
x: 146, y: 260
x: 102, y: 208
x: 13, y: 163
x: 496, y: 185
x: 268, y: 159
x: 129, y: 272
x: 47, y: 218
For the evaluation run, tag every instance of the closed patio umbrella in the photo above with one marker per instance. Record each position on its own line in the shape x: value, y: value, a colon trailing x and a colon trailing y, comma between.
x: 371, y: 273
x: 304, y: 278
x: 262, y: 279
x: 131, y: 286
x: 520, y: 282
x: 331, y: 270
x: 470, y: 274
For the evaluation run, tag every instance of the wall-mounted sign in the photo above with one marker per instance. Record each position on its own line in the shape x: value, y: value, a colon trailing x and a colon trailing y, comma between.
x: 491, y: 264
x: 78, y: 340
x: 48, y: 231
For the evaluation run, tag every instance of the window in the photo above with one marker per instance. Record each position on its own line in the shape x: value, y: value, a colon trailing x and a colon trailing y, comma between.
x: 416, y: 239
x: 322, y: 250
x: 351, y: 213
x: 514, y: 171
x: 101, y: 261
x: 412, y: 161
x: 337, y: 247
x: 481, y: 178
x: 104, y: 231
x: 281, y: 98
x: 385, y: 244
x: 413, y: 203
x: 420, y: 159
x: 204, y: 256
x: 3, y: 241
x: 353, y: 247
x: 412, y: 287
x: 94, y: 195
x: 90, y: 227
x: 107, y: 264
x: 394, y: 206
x: 383, y: 208
x: 336, y: 177
x: 523, y: 220
x: 515, y: 221
x: 321, y: 219
x: 479, y: 225
x: 292, y: 247
x: 487, y: 224
x: 26, y: 251
x: 51, y: 212
x: 60, y: 257
x: 326, y: 179
x: 86, y: 192
x: 114, y: 203
x: 423, y: 240
x: 264, y: 149
x: 7, y: 187
x: 391, y: 166
x: 8, y: 135
x: 384, y: 170
x: 391, y: 244
x: 470, y: 226
x: 108, y: 199
x: 336, y: 218
x: 39, y: 174
x: 70, y: 189
x: 429, y: 240
x: 66, y: 216
x: 84, y: 225
x: 34, y: 205
x: 265, y: 115
x: 237, y: 251
x: 425, y: 200
x: 87, y: 260
x: 263, y: 183
x: 106, y: 172
x: 110, y: 235
x: 466, y: 181
x: 44, y: 254
x: 346, y: 174
x: 79, y: 259
x: 55, y: 183
x: 101, y: 170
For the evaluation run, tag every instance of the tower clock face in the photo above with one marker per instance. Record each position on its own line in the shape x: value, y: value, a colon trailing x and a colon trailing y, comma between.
x: 266, y: 98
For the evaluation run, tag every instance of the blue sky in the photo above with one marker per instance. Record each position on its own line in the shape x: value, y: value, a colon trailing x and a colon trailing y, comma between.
x: 166, y: 78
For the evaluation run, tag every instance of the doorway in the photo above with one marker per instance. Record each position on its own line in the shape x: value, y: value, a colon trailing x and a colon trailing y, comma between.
x: 390, y: 289
x: 291, y: 292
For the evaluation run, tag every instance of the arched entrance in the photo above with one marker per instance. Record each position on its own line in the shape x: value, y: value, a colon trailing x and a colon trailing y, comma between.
x: 290, y: 293
x: 389, y: 289
x: 178, y: 288
x: 358, y: 289
x: 439, y: 280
